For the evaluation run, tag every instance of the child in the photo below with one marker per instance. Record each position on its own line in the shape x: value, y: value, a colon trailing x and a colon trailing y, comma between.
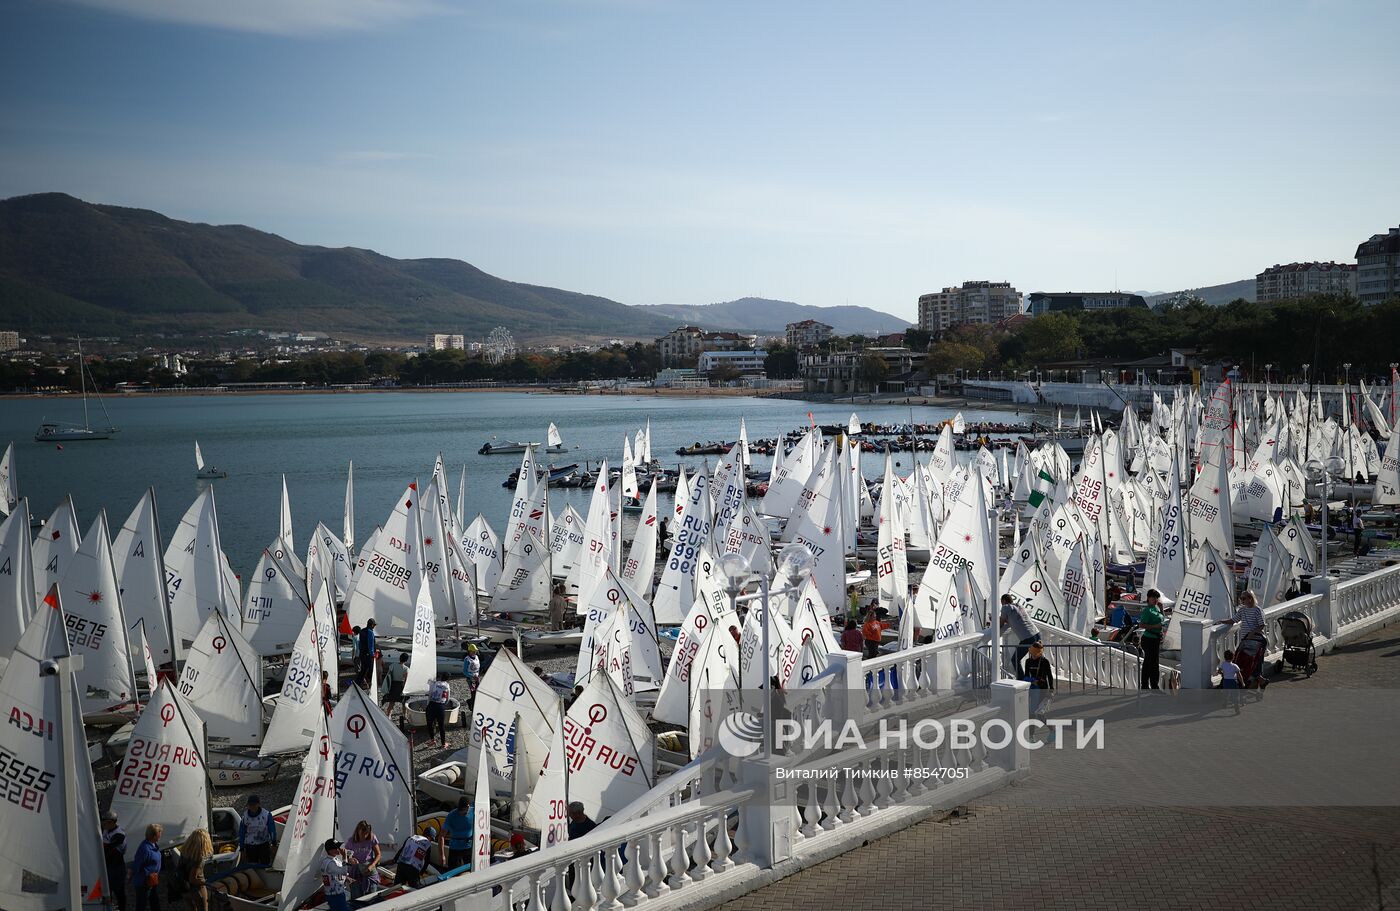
x: 1230, y: 680
x: 471, y: 669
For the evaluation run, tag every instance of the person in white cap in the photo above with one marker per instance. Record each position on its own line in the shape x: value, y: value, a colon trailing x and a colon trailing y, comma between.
x: 334, y: 872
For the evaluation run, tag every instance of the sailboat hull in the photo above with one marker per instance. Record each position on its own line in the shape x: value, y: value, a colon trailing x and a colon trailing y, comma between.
x: 52, y: 433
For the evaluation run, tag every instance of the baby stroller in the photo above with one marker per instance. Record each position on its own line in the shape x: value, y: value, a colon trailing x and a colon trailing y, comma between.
x: 1298, y: 650
x: 1249, y: 655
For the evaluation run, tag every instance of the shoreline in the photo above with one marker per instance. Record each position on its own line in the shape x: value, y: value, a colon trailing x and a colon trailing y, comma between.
x: 922, y: 401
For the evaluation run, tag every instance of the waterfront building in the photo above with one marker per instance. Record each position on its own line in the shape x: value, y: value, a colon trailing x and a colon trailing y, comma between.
x: 1295, y: 280
x: 1042, y: 302
x: 1378, y: 268
x: 970, y: 302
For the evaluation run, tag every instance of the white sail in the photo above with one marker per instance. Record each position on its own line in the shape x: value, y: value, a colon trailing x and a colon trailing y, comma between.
x: 713, y: 687
x: 816, y: 524
x: 528, y: 752
x: 422, y: 665
x: 198, y: 457
x: 9, y: 482
x: 1206, y: 593
x: 374, y: 772
x: 965, y: 540
x: 299, y: 705
x: 385, y: 589
x: 461, y: 513
x: 509, y: 690
x: 566, y: 540
x: 624, y: 644
x: 891, y: 564
x: 481, y: 814
x: 461, y: 578
x: 548, y: 807
x: 284, y: 524
x: 1387, y: 492
x: 299, y: 850
x: 436, y: 519
x: 1209, y: 506
x: 1039, y: 594
x: 54, y: 547
x: 1168, y: 569
x: 631, y: 491
x: 323, y: 619
x: 749, y: 538
x: 1270, y: 569
x: 137, y: 637
x: 347, y: 533
x: 594, y: 557
x: 640, y: 569
x: 943, y: 459
x: 744, y: 444
x: 611, y: 753
x: 1076, y: 590
x: 676, y: 589
x: 728, y: 490
x: 222, y: 679
x: 552, y: 437
x: 138, y: 558
x: 164, y: 777
x: 326, y: 546
x: 709, y: 609
x: 96, y: 627
x: 274, y: 608
x: 483, y: 548
x: 16, y: 578
x: 788, y: 481
x: 196, y: 585
x: 783, y: 646
x: 35, y: 863
x: 526, y: 579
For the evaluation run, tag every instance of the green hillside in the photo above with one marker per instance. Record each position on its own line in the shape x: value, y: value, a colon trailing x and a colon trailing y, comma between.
x: 68, y: 265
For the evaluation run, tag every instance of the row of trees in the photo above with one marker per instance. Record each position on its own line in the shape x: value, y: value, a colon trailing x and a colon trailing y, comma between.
x: 1325, y: 331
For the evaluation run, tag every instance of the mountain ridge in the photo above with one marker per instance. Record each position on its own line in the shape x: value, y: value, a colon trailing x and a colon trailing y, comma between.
x: 762, y: 314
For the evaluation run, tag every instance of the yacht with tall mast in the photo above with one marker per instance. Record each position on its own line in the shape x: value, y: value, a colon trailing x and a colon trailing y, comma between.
x: 60, y: 432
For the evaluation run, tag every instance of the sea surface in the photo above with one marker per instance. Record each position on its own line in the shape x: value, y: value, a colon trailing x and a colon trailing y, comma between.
x: 392, y: 437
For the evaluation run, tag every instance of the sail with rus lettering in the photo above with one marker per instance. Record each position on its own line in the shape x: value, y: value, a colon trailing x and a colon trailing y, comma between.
x: 164, y: 776
x: 372, y: 771
x: 691, y: 534
x: 611, y: 753
x: 299, y: 851
x: 222, y: 679
x: 35, y: 863
x: 299, y: 703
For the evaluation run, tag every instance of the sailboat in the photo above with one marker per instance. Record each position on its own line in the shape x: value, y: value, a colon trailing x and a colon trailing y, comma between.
x: 60, y: 432
x: 206, y: 472
x: 554, y: 443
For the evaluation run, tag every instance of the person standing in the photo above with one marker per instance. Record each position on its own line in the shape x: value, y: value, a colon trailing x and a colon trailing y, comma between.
x: 579, y: 823
x: 558, y: 603
x: 457, y: 830
x: 194, y: 854
x: 471, y: 669
x: 398, y: 676
x: 257, y: 834
x: 1022, y: 627
x: 1041, y: 677
x: 851, y: 639
x: 871, y: 632
x: 1250, y: 617
x: 333, y: 875
x: 1230, y: 680
x: 114, y: 852
x: 366, y: 649
x: 413, y: 857
x: 1150, y: 619
x: 363, y: 853
x: 145, y: 870
x: 436, y: 710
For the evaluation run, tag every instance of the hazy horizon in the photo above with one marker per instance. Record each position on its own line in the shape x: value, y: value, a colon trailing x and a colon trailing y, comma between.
x: 666, y: 153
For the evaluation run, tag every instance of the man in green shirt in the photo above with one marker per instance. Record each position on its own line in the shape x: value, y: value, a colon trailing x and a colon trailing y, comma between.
x: 1151, y: 622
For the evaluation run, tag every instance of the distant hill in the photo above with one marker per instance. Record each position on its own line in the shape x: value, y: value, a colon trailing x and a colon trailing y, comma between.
x: 68, y: 265
x: 1214, y: 295
x: 761, y: 315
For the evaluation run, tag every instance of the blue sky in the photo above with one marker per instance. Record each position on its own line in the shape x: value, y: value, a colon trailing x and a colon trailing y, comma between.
x: 669, y: 152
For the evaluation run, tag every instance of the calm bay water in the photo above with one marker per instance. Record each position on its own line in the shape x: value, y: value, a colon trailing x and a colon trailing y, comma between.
x: 392, y: 437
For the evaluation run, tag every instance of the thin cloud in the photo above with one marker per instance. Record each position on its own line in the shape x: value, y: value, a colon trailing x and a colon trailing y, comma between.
x: 273, y: 17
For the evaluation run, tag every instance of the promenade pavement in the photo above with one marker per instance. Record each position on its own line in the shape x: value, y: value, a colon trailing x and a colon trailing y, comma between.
x: 1293, y: 802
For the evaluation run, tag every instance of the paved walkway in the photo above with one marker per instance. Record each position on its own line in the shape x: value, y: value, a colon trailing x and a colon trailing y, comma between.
x: 1101, y: 830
